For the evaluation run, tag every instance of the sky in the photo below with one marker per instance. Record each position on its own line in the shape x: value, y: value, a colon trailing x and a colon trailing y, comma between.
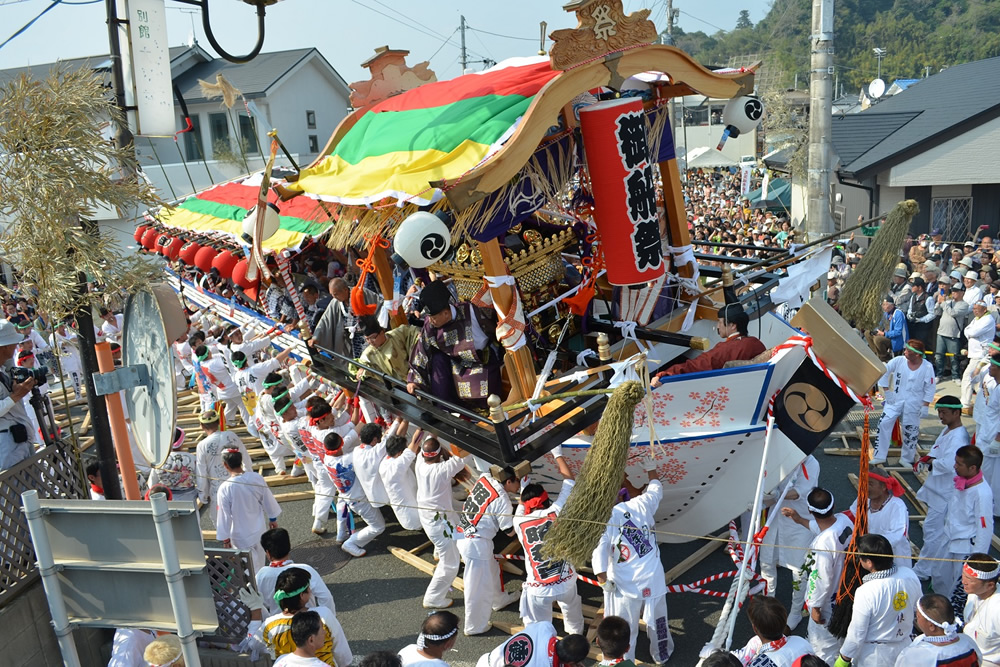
x: 345, y: 31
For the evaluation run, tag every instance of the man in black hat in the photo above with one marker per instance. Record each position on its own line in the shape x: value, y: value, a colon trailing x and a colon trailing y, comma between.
x: 456, y: 356
x: 737, y: 344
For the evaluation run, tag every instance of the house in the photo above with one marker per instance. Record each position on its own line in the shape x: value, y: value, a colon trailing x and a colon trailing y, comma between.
x: 936, y: 142
x: 296, y: 92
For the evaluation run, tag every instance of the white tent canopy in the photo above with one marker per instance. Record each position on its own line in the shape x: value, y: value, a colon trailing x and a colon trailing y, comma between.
x: 707, y: 157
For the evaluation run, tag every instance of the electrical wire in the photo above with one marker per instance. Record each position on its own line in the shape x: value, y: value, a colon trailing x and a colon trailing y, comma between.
x: 496, y: 34
x: 702, y: 20
x: 443, y: 44
x: 426, y: 30
x: 30, y: 23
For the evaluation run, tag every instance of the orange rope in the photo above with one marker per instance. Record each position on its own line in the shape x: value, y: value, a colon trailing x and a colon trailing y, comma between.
x: 367, y: 266
x: 847, y: 588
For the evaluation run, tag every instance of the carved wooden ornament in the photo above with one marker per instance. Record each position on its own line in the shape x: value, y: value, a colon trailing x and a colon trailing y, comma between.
x: 602, y: 27
x: 390, y: 75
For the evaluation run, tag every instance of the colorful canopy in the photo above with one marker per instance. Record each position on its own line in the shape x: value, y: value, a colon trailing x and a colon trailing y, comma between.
x: 223, y: 207
x: 437, y: 131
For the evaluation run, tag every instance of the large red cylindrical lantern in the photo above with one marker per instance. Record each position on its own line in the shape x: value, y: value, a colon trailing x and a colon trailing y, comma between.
x: 203, y: 258
x: 149, y: 239
x: 163, y: 242
x: 225, y: 262
x: 621, y: 174
x: 173, y: 251
x: 188, y: 252
x: 139, y: 231
x: 240, y: 275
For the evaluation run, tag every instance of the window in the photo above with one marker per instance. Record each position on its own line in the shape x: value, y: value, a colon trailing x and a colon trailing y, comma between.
x: 311, y: 120
x: 953, y: 215
x: 218, y: 126
x: 248, y: 135
x: 313, y: 143
x: 192, y: 139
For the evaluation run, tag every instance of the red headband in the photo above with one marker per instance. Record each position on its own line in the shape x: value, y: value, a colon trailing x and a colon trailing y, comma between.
x: 432, y: 454
x: 895, y: 488
x: 314, y: 421
x: 532, y: 504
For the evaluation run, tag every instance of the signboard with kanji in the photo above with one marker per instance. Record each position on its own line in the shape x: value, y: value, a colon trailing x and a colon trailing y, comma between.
x: 147, y: 68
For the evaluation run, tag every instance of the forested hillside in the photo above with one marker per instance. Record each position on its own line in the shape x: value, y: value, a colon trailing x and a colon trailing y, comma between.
x: 916, y: 34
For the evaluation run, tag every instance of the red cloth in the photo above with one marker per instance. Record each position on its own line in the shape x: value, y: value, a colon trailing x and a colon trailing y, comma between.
x: 740, y: 348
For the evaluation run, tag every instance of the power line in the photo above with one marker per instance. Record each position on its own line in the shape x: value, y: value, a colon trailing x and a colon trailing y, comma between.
x: 412, y: 23
x: 446, y: 41
x: 496, y: 34
x: 30, y: 23
x: 702, y: 20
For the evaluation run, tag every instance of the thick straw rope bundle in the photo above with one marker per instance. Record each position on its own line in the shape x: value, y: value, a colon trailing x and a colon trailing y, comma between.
x: 589, y: 506
x: 861, y: 299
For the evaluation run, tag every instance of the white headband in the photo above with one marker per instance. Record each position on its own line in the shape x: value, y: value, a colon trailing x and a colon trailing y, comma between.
x: 167, y: 664
x: 950, y: 629
x: 422, y: 638
x: 980, y: 574
x: 818, y: 510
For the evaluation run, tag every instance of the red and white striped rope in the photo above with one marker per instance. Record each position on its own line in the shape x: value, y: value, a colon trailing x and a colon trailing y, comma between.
x: 806, y: 342
x: 293, y: 292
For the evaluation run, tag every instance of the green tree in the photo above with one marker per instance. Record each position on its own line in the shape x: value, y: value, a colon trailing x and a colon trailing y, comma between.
x: 744, y: 20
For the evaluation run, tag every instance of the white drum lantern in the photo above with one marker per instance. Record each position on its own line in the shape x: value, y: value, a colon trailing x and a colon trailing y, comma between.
x: 422, y: 239
x: 742, y: 114
x: 271, y: 223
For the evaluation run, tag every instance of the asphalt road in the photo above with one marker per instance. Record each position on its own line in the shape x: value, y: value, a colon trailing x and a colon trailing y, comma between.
x: 378, y: 597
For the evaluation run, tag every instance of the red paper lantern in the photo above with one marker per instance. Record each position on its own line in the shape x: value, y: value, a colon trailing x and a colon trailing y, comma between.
x: 621, y: 174
x: 173, y: 250
x: 225, y: 262
x: 188, y: 252
x: 240, y: 275
x: 203, y: 258
x: 139, y: 231
x: 149, y: 239
x: 251, y: 293
x: 162, y: 243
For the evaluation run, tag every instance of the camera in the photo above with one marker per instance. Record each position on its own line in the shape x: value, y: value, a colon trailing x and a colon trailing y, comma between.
x: 20, y: 374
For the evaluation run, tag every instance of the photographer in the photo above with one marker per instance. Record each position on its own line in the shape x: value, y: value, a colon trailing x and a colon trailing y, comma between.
x: 15, y: 428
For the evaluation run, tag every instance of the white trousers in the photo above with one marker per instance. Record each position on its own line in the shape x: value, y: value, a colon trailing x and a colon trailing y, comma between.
x: 372, y: 517
x: 535, y: 608
x: 909, y: 428
x: 935, y: 543
x: 967, y: 378
x: 440, y: 533
x: 483, y: 585
x: 651, y: 610
x: 824, y: 644
x: 769, y: 571
x: 945, y: 575
x: 276, y: 449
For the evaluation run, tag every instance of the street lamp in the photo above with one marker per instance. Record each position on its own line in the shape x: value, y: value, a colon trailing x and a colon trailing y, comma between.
x: 206, y: 23
x: 879, y: 53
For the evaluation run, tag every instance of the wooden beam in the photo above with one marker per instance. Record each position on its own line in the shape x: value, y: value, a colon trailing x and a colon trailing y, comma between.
x: 695, y: 558
x: 423, y: 566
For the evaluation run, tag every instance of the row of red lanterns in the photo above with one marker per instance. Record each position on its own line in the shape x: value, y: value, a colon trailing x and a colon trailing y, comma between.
x: 229, y: 265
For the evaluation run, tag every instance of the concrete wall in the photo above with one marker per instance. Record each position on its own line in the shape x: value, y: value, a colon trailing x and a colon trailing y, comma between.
x: 966, y: 159
x: 29, y: 641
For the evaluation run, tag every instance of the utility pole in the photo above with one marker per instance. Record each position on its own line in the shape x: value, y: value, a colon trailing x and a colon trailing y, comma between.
x: 671, y: 109
x: 465, y: 55
x: 819, y: 221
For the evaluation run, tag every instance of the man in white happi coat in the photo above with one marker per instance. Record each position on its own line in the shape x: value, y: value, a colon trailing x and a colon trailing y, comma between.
x: 627, y: 563
x: 770, y: 647
x: 246, y: 508
x: 793, y: 539
x: 268, y: 422
x: 213, y: 366
x: 340, y: 465
x: 939, y: 484
x: 208, y: 459
x: 438, y: 635
x: 435, y: 470
x: 64, y: 340
x: 324, y: 419
x: 888, y: 515
x: 884, y: 607
x: 277, y: 545
x: 987, y: 416
x: 486, y: 512
x: 399, y: 479
x: 969, y: 526
x: 982, y: 609
x: 980, y: 331
x: 908, y: 387
x: 369, y: 455
x: 547, y: 581
x: 822, y: 567
x: 940, y: 644
x: 538, y: 646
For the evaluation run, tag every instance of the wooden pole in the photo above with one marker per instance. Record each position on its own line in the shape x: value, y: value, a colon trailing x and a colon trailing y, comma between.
x: 520, y: 366
x: 386, y: 282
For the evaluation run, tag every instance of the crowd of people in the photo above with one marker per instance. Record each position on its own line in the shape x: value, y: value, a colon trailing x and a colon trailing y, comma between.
x: 364, y: 462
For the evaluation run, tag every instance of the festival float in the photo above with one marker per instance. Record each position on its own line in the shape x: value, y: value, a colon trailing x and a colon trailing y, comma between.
x: 548, y: 189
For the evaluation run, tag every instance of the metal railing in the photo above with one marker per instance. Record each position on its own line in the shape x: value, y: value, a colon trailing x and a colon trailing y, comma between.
x: 54, y: 472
